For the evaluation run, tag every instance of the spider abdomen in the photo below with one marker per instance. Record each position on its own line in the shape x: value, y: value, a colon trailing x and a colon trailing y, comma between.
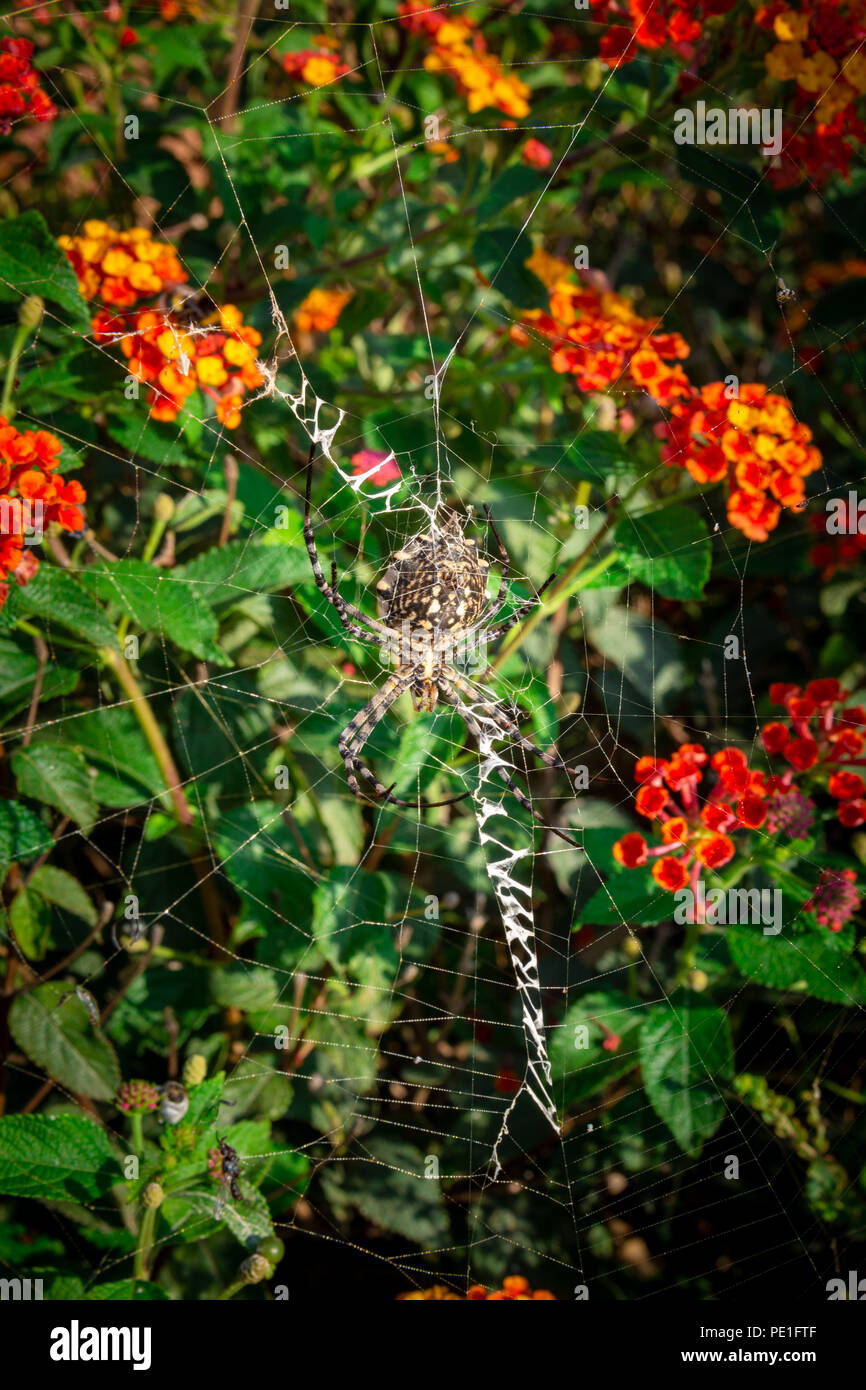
x: 437, y: 581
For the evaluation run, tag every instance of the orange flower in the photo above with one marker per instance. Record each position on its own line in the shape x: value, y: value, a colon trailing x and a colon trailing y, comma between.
x: 536, y: 154
x: 315, y: 66
x: 321, y: 309
x: 651, y: 801
x: 460, y: 50
x: 33, y: 495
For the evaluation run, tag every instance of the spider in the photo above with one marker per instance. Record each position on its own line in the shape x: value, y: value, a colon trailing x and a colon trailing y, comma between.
x: 432, y: 598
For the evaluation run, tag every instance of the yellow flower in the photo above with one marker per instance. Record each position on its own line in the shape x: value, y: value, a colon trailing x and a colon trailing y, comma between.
x: 790, y: 25
x: 318, y: 71
x: 854, y: 71
x: 816, y: 72
x: 549, y: 269
x: 784, y: 61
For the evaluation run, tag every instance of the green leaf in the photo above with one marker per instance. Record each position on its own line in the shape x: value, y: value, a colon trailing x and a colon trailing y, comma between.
x: 598, y: 453
x: 159, y: 602
x: 58, y: 776
x: 501, y: 255
x: 57, y: 597
x: 30, y: 919
x: 232, y: 572
x: 56, y: 1158
x: 669, y: 550
x: 349, y: 909
x: 18, y: 670
x: 808, y: 962
x: 390, y: 1187
x: 517, y: 181
x: 577, y: 1057
x: 31, y: 262
x: 22, y: 835
x: 60, y: 888
x: 61, y: 1039
x: 687, y: 1056
x: 627, y: 897
x: 126, y: 1291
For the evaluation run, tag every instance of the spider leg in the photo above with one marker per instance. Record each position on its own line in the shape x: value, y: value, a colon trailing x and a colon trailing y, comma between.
x: 478, y: 734
x: 509, y: 726
x: 345, y: 611
x: 499, y: 601
x: 358, y: 731
x: 519, y: 613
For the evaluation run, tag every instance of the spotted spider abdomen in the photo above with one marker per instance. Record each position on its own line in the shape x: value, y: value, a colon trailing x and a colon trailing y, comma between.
x: 436, y: 582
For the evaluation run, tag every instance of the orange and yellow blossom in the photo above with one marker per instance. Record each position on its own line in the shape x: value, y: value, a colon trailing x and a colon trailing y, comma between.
x: 120, y: 268
x: 321, y: 309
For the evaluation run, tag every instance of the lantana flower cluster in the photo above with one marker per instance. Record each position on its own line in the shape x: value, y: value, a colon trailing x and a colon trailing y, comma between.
x: 317, y: 66
x: 120, y: 268
x: 820, y: 48
x: 597, y: 337
x: 824, y: 738
x: 460, y: 50
x: 31, y: 491
x: 749, y: 440
x: 696, y: 828
x: 218, y: 357
x: 20, y: 92
x: 652, y: 24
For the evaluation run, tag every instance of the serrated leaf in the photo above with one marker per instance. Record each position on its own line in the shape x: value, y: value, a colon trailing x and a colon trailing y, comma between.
x: 61, y: 1039
x: 808, y: 962
x: 669, y: 550
x: 31, y: 262
x: 22, y: 835
x: 56, y: 1158
x: 230, y: 573
x: 55, y: 596
x: 686, y: 1057
x: 160, y: 602
x: 60, y: 777
x: 390, y: 1187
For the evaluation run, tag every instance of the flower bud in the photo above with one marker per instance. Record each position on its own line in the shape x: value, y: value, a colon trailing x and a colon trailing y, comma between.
x: 163, y: 507
x: 152, y: 1196
x: 195, y: 1070
x: 30, y: 313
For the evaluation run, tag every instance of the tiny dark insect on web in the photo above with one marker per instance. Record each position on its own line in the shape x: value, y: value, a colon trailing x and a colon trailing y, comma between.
x: 229, y: 1175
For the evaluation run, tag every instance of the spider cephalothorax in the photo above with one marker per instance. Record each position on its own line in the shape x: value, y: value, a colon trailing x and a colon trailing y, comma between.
x: 433, y: 604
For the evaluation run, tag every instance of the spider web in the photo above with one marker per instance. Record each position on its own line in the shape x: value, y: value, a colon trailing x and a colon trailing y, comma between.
x: 391, y: 1070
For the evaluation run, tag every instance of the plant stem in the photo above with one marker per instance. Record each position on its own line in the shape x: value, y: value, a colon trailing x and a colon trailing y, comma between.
x: 22, y: 333
x: 145, y: 1243
x: 167, y: 766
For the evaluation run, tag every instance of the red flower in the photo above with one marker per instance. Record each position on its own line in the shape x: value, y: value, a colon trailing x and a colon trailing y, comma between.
x: 825, y: 692
x: 846, y: 786
x: 536, y: 154
x: 774, y: 737
x: 648, y: 768
x: 751, y: 810
x: 675, y: 831
x: 780, y: 692
x: 651, y: 801
x: 388, y: 469
x: 715, y: 851
x: 631, y: 850
x: 802, y: 753
x: 716, y: 817
x: 852, y: 813
x: 670, y: 873
x: 611, y: 1042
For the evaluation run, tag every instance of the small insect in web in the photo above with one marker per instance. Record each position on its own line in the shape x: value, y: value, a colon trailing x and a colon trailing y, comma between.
x: 133, y: 931
x: 784, y: 293
x: 433, y: 608
x: 230, y: 1171
x: 86, y: 998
